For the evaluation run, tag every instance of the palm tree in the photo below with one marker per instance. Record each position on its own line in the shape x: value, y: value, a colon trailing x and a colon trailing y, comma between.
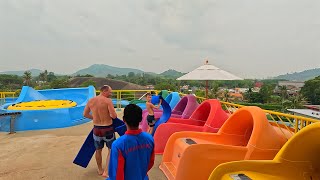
x: 296, y: 101
x: 27, y: 77
x: 45, y: 75
x: 42, y: 77
x: 214, y: 91
x: 283, y: 91
x: 284, y: 95
x: 226, y: 96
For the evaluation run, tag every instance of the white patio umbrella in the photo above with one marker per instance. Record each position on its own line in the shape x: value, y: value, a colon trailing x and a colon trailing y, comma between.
x: 208, y: 72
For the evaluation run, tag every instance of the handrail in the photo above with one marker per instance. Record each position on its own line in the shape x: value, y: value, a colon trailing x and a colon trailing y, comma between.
x: 294, y: 121
x: 4, y: 94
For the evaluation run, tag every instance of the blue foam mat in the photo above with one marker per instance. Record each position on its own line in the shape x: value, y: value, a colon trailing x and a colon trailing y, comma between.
x: 87, y: 150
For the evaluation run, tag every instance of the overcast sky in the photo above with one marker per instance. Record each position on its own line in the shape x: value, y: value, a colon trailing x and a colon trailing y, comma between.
x: 249, y: 38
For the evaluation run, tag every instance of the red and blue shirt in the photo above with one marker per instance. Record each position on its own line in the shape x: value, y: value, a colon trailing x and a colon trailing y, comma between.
x: 132, y: 156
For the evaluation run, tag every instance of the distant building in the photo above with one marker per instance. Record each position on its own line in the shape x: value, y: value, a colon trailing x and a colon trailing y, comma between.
x: 255, y: 89
x: 241, y: 90
x: 293, y: 87
x: 194, y: 88
x: 313, y: 111
x: 185, y: 87
x: 291, y: 84
x: 306, y: 113
x: 151, y: 87
x: 236, y: 96
x: 258, y: 84
x: 313, y: 107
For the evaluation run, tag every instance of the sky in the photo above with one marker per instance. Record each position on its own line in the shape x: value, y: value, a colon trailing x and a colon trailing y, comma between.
x: 249, y: 38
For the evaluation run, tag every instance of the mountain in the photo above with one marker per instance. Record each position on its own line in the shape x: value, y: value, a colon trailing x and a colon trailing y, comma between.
x: 301, y: 76
x: 102, y: 70
x: 172, y: 73
x: 34, y: 72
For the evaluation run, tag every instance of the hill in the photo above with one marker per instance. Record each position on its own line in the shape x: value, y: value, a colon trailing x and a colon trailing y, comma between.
x: 34, y: 72
x: 300, y: 76
x: 172, y: 73
x: 102, y: 70
x: 115, y: 84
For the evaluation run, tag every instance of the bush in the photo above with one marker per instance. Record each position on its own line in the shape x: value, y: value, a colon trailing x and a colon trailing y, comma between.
x: 59, y: 83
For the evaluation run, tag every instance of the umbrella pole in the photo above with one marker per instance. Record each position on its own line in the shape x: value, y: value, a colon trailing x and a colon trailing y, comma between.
x: 206, y: 89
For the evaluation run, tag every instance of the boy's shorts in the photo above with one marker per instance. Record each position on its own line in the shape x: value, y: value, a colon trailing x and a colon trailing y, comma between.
x: 103, y: 134
x: 151, y: 120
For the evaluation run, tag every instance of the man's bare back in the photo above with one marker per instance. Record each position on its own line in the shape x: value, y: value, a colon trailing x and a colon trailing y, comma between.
x: 100, y: 108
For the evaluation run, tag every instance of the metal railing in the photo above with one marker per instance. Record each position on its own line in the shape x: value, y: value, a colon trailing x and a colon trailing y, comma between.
x: 128, y: 95
x: 7, y: 94
x: 290, y: 122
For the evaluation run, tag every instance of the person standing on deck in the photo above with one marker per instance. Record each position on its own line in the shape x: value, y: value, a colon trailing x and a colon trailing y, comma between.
x: 103, y: 112
x: 132, y: 155
x: 150, y: 118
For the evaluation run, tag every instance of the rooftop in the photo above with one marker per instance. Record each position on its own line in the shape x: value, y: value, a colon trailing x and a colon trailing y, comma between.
x: 306, y: 112
x: 313, y: 107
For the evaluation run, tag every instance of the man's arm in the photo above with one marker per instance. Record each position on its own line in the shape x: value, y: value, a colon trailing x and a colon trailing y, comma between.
x: 158, y: 106
x: 116, y: 164
x: 111, y: 109
x: 86, y: 112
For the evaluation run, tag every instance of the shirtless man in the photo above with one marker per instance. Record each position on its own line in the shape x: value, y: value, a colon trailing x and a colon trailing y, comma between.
x: 102, y: 114
x: 150, y: 118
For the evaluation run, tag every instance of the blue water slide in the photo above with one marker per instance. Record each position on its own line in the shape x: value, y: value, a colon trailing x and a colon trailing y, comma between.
x: 166, y: 112
x: 49, y: 118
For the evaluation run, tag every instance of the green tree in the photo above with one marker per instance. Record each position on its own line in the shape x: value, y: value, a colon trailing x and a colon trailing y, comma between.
x: 253, y: 97
x: 110, y: 76
x: 131, y: 74
x: 226, y: 96
x: 10, y: 82
x: 167, y: 86
x: 42, y: 77
x: 266, y: 91
x: 284, y: 95
x: 200, y: 93
x: 296, y: 101
x: 275, y: 99
x: 283, y: 92
x: 59, y: 83
x: 27, y: 77
x: 86, y: 75
x: 51, y: 77
x: 45, y: 75
x: 89, y: 83
x: 213, y: 93
x: 311, y: 90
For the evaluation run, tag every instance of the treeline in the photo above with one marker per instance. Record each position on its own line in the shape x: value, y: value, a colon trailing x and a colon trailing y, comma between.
x: 44, y: 80
x: 167, y: 82
x: 309, y: 93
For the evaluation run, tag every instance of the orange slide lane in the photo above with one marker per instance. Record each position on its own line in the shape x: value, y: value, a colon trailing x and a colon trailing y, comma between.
x: 209, y: 113
x: 298, y: 159
x: 247, y: 134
